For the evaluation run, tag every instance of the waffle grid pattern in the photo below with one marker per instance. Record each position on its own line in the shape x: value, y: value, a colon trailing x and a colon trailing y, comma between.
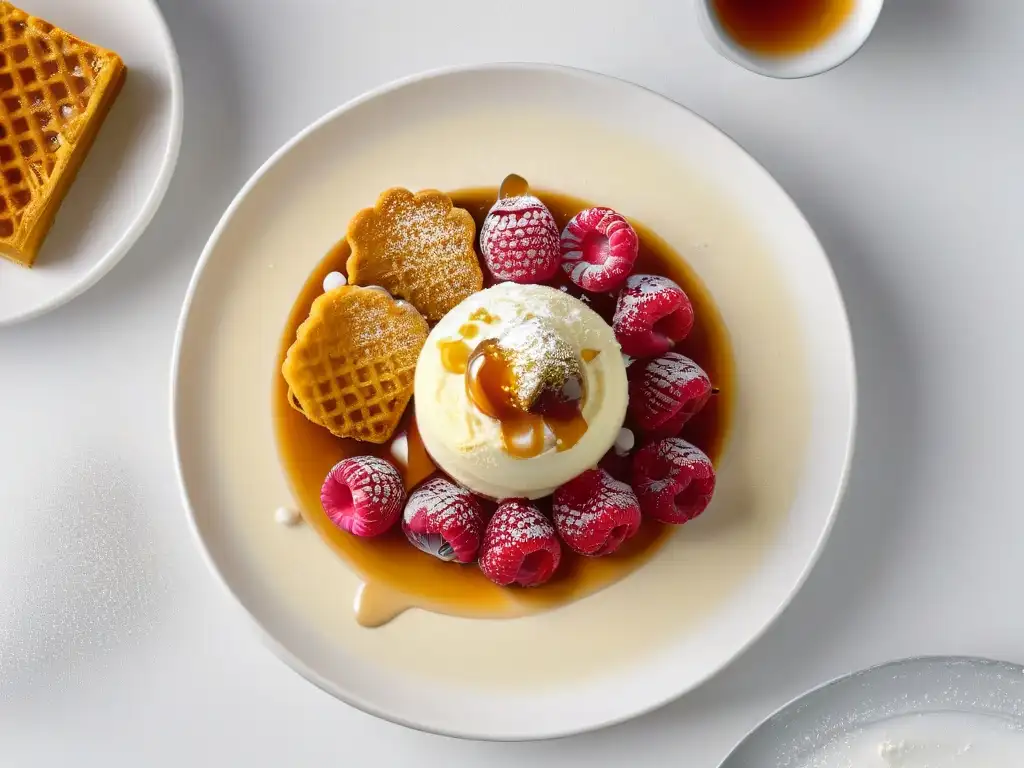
x: 47, y: 78
x: 356, y: 398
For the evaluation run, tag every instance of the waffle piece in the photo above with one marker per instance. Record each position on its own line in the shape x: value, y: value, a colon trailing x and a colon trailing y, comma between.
x: 417, y: 246
x: 55, y: 91
x: 351, y: 366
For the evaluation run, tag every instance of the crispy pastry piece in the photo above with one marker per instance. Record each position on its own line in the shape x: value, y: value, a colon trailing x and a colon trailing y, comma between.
x: 418, y: 247
x: 350, y: 368
x: 55, y: 92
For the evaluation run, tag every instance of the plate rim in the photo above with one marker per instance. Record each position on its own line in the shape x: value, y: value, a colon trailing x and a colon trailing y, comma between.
x: 152, y: 203
x: 878, y: 668
x: 265, y: 635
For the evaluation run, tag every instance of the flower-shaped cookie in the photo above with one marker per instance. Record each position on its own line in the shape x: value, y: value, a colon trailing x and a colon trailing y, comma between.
x: 419, y: 247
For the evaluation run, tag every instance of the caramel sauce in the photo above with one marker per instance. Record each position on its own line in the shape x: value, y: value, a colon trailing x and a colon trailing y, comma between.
x: 490, y: 384
x: 589, y: 354
x: 468, y: 330
x: 388, y: 563
x: 454, y: 354
x: 781, y: 27
x: 513, y: 185
x: 481, y: 315
x: 419, y: 465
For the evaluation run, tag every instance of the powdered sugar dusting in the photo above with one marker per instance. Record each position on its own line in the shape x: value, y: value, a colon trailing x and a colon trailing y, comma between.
x: 602, y: 263
x: 444, y: 502
x: 375, y: 482
x: 666, y: 392
x: 674, y: 458
x: 681, y: 453
x: 353, y: 360
x: 384, y: 324
x: 540, y: 359
x: 664, y: 377
x: 445, y: 520
x: 519, y: 240
x: 418, y: 247
x: 516, y: 540
x: 517, y: 522
x: 645, y: 285
x: 594, y: 513
x: 606, y: 495
x: 363, y: 495
x: 652, y: 314
x: 638, y: 292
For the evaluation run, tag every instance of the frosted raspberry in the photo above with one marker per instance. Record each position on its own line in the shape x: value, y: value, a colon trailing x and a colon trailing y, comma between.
x: 444, y: 520
x: 594, y: 513
x: 599, y: 248
x: 673, y: 480
x: 665, y: 392
x: 519, y: 240
x: 652, y: 314
x: 520, y: 546
x: 363, y: 495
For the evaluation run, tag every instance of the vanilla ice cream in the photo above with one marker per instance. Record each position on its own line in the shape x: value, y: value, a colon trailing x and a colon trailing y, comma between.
x: 468, y: 444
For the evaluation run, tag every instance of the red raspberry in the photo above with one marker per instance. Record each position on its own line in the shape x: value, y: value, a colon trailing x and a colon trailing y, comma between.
x: 519, y: 240
x: 665, y: 392
x: 444, y: 520
x: 673, y: 480
x: 652, y: 315
x: 363, y: 495
x: 594, y: 513
x: 520, y: 546
x: 599, y: 248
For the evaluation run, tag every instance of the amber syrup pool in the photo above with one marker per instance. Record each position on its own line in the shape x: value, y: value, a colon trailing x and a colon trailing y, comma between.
x: 389, y: 562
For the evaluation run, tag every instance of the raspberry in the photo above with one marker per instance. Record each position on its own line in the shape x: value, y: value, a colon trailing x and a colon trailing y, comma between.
x: 665, y: 392
x: 594, y: 513
x: 519, y: 240
x: 599, y: 248
x: 444, y: 520
x: 520, y: 546
x: 673, y: 480
x: 652, y: 314
x: 363, y: 495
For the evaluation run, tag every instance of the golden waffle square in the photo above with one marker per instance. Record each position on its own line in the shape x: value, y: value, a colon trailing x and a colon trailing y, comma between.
x: 351, y: 366
x: 55, y: 91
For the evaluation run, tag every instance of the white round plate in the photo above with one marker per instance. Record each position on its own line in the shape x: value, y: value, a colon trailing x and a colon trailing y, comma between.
x: 887, y: 709
x: 717, y: 583
x: 125, y: 176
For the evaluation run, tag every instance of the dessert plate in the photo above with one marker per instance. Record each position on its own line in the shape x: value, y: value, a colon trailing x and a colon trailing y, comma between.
x: 716, y: 584
x: 124, y: 178
x: 937, y: 711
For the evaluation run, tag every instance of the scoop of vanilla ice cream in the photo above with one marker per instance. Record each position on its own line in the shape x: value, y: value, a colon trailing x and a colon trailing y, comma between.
x: 468, y: 444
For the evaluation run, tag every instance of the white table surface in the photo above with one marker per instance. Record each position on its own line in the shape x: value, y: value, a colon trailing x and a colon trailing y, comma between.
x: 117, y: 648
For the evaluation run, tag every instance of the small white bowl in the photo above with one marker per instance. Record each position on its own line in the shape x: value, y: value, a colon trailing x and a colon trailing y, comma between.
x: 828, y: 54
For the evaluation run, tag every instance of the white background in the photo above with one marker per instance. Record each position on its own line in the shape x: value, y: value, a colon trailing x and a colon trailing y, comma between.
x: 117, y: 648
